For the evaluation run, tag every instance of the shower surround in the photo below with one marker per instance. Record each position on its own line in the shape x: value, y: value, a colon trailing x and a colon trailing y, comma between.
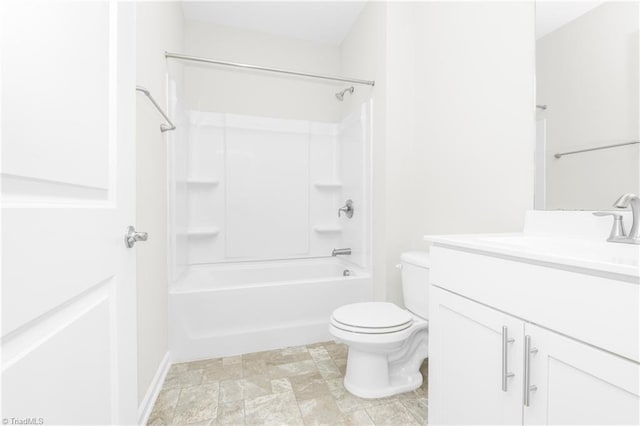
x: 254, y: 218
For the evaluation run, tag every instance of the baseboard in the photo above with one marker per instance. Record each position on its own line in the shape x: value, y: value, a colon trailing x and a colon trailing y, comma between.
x: 144, y: 410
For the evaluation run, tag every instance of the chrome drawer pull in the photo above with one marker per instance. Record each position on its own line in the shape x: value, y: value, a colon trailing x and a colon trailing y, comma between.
x: 505, y: 368
x: 528, y: 387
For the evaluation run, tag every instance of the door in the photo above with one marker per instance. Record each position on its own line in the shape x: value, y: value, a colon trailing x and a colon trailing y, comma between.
x: 574, y: 383
x: 466, y: 370
x: 68, y: 156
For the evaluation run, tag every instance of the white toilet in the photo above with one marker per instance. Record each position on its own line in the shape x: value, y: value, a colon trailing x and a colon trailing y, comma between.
x: 387, y: 344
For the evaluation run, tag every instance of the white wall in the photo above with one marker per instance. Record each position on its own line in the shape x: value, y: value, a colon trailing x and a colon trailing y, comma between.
x: 159, y: 28
x: 453, y: 148
x: 231, y: 90
x: 588, y: 76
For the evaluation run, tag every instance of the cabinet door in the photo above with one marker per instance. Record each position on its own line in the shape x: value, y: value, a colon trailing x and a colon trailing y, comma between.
x: 576, y: 383
x: 465, y: 363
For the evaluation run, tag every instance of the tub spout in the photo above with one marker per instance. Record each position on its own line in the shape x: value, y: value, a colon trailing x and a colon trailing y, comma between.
x: 342, y: 251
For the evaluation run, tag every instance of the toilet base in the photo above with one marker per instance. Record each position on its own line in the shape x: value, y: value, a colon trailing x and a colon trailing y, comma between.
x: 367, y: 393
x: 368, y: 375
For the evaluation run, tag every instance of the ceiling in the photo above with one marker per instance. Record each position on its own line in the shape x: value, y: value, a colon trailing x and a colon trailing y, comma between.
x: 316, y: 21
x: 551, y: 15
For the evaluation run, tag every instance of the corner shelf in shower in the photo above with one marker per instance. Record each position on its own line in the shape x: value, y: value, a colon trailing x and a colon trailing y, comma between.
x: 203, y: 232
x: 327, y: 229
x: 203, y: 182
x: 328, y: 185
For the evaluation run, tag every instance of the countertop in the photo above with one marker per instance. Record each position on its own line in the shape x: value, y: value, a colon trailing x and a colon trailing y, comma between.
x: 584, y: 254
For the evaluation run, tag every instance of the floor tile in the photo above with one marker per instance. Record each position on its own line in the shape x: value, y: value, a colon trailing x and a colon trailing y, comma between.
x: 328, y: 369
x: 320, y: 411
x: 292, y: 350
x: 308, y: 386
x: 336, y: 350
x: 197, y: 404
x: 418, y: 408
x: 346, y: 401
x: 281, y: 385
x: 254, y: 367
x: 165, y: 406
x: 358, y: 418
x: 289, y: 386
x: 231, y: 360
x: 250, y: 387
x: 276, y: 409
x: 231, y: 413
x: 177, y: 378
x: 393, y: 413
x: 292, y: 369
x: 221, y: 372
x: 287, y: 358
x: 319, y: 353
x: 202, y: 364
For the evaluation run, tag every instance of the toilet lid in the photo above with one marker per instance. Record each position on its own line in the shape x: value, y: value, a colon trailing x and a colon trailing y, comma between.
x: 372, y: 317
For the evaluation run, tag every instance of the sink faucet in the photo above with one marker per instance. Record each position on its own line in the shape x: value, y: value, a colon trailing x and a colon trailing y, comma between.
x: 634, y: 201
x: 342, y: 251
x: 618, y: 234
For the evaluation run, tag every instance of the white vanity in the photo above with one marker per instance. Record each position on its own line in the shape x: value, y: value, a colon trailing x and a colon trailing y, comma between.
x: 535, y: 328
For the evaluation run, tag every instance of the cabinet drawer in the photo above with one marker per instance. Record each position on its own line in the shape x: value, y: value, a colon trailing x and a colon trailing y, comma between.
x: 600, y: 311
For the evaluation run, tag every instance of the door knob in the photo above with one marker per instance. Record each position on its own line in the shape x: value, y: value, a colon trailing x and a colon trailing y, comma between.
x: 131, y: 236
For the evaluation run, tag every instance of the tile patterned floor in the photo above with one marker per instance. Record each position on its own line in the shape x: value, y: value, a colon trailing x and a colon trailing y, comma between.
x: 292, y: 386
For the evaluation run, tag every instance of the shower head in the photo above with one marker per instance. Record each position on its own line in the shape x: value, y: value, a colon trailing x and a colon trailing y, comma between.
x: 340, y: 95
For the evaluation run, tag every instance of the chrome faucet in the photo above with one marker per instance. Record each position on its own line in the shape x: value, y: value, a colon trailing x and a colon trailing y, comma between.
x: 342, y: 251
x: 623, y: 202
x: 618, y: 234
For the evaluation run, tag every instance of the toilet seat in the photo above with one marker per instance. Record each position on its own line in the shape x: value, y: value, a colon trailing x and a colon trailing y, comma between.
x: 371, y: 318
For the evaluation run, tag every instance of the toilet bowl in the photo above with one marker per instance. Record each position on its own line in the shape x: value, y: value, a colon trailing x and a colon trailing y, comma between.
x: 387, y: 344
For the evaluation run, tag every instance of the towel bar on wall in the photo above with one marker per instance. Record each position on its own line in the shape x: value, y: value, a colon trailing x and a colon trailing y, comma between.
x: 561, y: 154
x: 163, y: 127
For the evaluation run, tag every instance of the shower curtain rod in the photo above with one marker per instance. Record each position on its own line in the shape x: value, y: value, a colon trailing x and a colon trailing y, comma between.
x: 259, y: 68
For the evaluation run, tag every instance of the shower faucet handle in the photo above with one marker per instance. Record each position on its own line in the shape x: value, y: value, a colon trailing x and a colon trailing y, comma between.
x: 347, y: 208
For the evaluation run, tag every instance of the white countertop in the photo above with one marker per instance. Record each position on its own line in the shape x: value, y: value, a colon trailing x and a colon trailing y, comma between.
x: 600, y: 256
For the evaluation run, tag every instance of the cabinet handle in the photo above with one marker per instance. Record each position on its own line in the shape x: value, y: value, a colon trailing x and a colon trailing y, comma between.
x: 528, y: 387
x: 505, y: 367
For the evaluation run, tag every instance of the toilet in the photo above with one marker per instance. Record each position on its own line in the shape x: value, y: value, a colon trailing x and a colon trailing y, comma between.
x: 387, y: 344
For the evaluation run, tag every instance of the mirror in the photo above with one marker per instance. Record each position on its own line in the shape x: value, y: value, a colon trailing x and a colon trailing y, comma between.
x: 587, y: 113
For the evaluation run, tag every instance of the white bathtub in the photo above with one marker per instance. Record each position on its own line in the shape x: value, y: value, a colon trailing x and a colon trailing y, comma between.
x: 234, y: 308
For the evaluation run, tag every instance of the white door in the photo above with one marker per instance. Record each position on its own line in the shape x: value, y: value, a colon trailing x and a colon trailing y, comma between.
x: 577, y: 384
x: 68, y: 157
x: 466, y: 365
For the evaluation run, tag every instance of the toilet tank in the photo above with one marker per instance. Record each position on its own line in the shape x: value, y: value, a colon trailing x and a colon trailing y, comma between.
x: 415, y: 282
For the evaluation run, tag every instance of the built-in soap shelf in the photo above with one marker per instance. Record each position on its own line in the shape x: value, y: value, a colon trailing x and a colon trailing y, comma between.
x: 203, y: 232
x: 205, y: 182
x: 327, y: 229
x: 328, y: 185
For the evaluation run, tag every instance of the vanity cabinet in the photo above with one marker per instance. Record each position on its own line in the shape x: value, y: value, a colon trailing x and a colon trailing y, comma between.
x: 579, y: 384
x: 569, y: 382
x: 479, y: 366
x: 466, y: 349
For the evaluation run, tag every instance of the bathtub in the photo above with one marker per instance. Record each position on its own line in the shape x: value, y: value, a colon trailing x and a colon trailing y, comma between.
x: 234, y: 308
